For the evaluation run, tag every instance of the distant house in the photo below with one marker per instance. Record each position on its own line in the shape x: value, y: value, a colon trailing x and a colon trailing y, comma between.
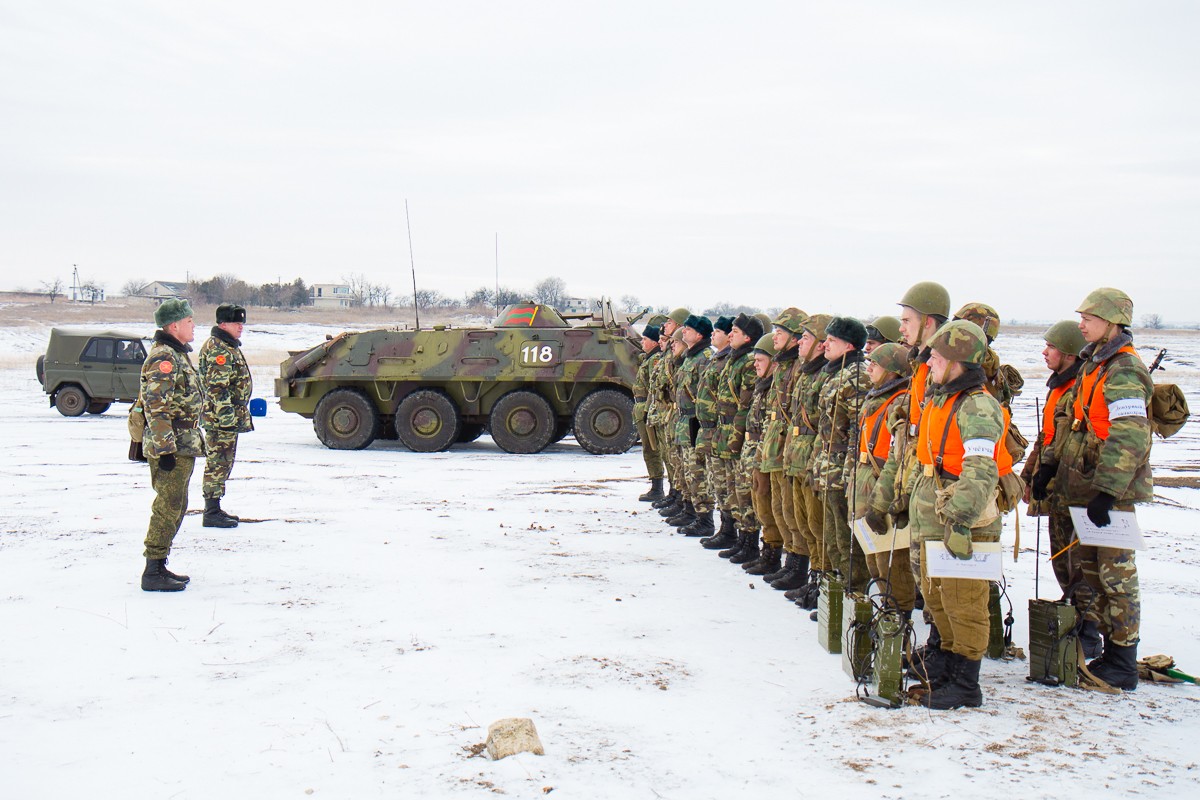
x: 87, y: 294
x: 330, y: 295
x: 162, y: 290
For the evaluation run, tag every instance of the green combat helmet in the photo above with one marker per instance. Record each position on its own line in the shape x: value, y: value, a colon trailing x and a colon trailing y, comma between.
x: 1065, y: 337
x: 816, y: 325
x: 679, y: 316
x: 657, y: 320
x: 1110, y: 305
x: 928, y: 298
x: 791, y: 319
x: 982, y: 315
x: 765, y: 319
x: 893, y: 357
x: 765, y: 345
x: 884, y: 329
x: 960, y: 340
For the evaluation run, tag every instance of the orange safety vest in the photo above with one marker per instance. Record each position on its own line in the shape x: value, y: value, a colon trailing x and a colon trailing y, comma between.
x: 875, y: 438
x: 1089, y: 384
x: 1048, y: 412
x: 916, y: 398
x: 940, y: 444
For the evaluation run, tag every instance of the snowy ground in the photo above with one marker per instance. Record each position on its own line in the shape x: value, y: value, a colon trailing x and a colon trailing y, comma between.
x: 383, y: 607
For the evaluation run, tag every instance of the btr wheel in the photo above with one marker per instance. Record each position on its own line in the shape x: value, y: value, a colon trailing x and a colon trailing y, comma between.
x: 604, y: 422
x: 71, y: 401
x: 427, y: 421
x: 561, y: 428
x: 346, y: 419
x: 98, y: 406
x: 471, y: 431
x: 522, y: 422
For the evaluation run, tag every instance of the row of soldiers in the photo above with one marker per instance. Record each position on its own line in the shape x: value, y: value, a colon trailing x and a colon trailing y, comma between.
x: 794, y: 429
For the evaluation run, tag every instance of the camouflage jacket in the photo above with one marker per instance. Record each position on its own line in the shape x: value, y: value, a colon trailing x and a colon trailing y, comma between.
x: 706, y: 400
x: 756, y: 420
x: 1057, y: 383
x: 842, y: 393
x: 1119, y: 464
x: 894, y: 422
x: 641, y: 385
x: 227, y: 384
x: 660, y: 395
x: 733, y: 402
x: 171, y: 399
x: 967, y: 500
x: 778, y: 412
x: 801, y: 445
x: 687, y: 387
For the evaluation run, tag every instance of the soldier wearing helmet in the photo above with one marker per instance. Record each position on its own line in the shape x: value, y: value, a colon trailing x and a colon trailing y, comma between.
x: 1100, y: 459
x: 763, y: 355
x: 953, y: 502
x: 881, y: 330
x: 1004, y: 381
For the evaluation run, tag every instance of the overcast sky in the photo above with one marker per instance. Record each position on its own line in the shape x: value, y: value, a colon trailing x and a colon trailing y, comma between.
x: 825, y: 155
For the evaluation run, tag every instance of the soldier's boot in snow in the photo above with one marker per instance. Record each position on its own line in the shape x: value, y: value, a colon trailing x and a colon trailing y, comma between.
x: 1089, y: 637
x: 960, y: 687
x: 686, y: 515
x: 672, y: 508
x: 794, y: 578
x: 749, y: 550
x: 724, y: 537
x: 169, y: 574
x: 154, y: 578
x: 668, y: 499
x: 213, y: 516
x: 933, y: 643
x: 655, y: 493
x: 930, y: 666
x: 736, y: 547
x: 787, y: 564
x: 702, y: 525
x: 767, y: 561
x: 1117, y: 667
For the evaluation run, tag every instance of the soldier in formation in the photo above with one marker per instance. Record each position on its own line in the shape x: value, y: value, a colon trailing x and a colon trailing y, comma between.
x: 227, y: 388
x: 905, y: 425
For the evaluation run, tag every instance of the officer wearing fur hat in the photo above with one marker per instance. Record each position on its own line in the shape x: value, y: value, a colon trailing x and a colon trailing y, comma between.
x: 171, y: 398
x: 1100, y: 460
x: 734, y: 397
x: 698, y: 504
x: 953, y: 502
x: 641, y: 393
x: 707, y: 437
x: 225, y: 378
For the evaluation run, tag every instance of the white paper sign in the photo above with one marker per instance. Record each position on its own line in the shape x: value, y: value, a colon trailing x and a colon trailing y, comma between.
x: 1123, y: 532
x: 872, y: 542
x: 985, y: 564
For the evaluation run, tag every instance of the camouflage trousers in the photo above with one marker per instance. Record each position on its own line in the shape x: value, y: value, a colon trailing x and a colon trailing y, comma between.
x: 720, y: 481
x: 741, y: 477
x: 761, y: 494
x: 1116, y: 605
x: 781, y: 509
x: 893, y: 571
x: 1068, y: 568
x: 169, y: 506
x: 670, y: 456
x: 696, y: 475
x: 810, y: 522
x: 221, y: 447
x: 842, y: 551
x: 650, y: 452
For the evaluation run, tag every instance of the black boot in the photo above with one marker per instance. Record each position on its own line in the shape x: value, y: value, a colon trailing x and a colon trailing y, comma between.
x: 701, y: 526
x: 686, y: 516
x: 768, y: 561
x: 655, y: 493
x: 1117, y: 667
x: 930, y: 665
x: 734, y: 548
x: 169, y: 574
x: 155, y: 579
x: 794, y: 578
x: 960, y: 687
x: 933, y: 643
x: 725, y: 537
x: 749, y: 550
x: 214, y: 517
x: 788, y: 565
x: 802, y: 576
x: 1089, y: 637
x: 668, y: 499
x: 672, y: 508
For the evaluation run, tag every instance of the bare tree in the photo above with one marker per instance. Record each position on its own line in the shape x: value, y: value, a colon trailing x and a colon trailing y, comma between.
x: 134, y: 287
x: 629, y: 303
x: 550, y: 291
x: 1152, y: 321
x: 360, y: 289
x: 53, y: 289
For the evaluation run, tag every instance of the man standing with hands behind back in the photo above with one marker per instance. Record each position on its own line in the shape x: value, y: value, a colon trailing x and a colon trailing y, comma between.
x: 227, y: 388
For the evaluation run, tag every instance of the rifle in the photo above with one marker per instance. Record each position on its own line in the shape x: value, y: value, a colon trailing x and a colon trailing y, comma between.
x: 1157, y: 363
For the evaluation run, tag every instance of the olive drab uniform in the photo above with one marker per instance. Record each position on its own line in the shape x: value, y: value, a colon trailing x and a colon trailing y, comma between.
x: 687, y: 425
x: 171, y: 398
x: 774, y: 443
x: 756, y: 421
x: 707, y: 436
x: 735, y: 395
x: 803, y: 447
x: 660, y: 414
x: 843, y: 389
x: 1102, y: 445
x: 647, y: 432
x: 227, y: 384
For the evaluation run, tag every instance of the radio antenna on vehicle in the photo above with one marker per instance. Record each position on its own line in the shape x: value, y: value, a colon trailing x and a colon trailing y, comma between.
x: 413, y: 263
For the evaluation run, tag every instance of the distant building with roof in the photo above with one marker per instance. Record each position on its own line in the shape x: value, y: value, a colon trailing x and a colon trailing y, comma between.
x: 163, y: 290
x: 330, y: 295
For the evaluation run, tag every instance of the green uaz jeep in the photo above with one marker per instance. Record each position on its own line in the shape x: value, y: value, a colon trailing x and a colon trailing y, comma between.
x: 90, y: 370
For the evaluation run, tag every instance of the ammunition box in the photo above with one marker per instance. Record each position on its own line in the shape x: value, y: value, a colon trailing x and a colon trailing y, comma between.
x: 1053, y: 647
x: 887, y: 678
x: 829, y: 614
x: 856, y: 639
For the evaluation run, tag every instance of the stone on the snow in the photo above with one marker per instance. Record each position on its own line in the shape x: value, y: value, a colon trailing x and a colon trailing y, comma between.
x: 513, y: 735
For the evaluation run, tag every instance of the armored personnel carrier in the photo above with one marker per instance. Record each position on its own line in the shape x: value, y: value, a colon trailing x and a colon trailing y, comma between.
x: 529, y: 379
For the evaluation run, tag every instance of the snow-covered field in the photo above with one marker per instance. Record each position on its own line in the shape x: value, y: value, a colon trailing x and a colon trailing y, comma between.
x: 355, y: 636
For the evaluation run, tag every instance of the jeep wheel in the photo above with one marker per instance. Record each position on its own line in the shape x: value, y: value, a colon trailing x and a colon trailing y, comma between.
x: 40, y: 368
x: 522, y: 422
x: 604, y: 422
x: 427, y: 421
x: 346, y: 420
x: 71, y: 401
x: 98, y: 406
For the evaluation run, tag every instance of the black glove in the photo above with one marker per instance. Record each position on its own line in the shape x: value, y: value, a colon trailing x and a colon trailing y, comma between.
x: 1099, y: 507
x: 876, y: 521
x: 166, y: 463
x: 899, y: 512
x: 1040, y: 488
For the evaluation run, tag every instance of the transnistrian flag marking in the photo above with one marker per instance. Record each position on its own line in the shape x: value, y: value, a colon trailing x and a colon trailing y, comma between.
x: 521, y: 314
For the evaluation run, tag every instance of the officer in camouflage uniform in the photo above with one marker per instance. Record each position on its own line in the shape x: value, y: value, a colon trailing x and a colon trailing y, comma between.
x: 953, y: 501
x: 225, y: 378
x: 843, y: 390
x: 171, y: 399
x: 735, y: 394
x: 662, y: 411
x: 641, y: 392
x: 680, y: 511
x: 1101, y: 460
x: 763, y: 356
x: 706, y: 437
x: 697, y: 338
x: 882, y: 330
